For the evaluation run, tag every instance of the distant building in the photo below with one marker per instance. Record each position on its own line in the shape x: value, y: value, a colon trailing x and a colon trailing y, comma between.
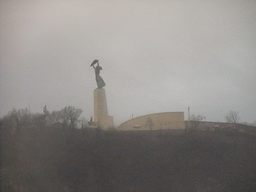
x: 156, y: 121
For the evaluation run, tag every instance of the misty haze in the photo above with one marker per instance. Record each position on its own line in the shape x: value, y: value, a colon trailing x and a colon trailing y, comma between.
x: 128, y: 96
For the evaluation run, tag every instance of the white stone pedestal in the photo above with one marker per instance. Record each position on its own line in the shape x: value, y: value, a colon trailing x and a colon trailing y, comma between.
x: 101, y: 117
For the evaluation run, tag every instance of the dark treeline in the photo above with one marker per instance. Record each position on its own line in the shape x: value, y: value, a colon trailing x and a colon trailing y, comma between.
x: 41, y: 156
x: 23, y: 118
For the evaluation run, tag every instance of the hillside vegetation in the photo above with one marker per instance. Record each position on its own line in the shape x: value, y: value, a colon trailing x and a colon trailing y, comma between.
x: 74, y: 160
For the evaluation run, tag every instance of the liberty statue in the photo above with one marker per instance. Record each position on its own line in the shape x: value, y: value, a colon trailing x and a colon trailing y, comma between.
x: 99, y: 80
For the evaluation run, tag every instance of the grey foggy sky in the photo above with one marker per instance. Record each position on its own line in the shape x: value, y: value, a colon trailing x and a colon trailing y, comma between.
x: 157, y: 56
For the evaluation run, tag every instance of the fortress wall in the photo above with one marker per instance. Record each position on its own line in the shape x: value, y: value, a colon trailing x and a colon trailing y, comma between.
x: 156, y: 121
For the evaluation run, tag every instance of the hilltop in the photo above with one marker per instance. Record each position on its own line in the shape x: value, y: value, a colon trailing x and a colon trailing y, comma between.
x: 52, y: 159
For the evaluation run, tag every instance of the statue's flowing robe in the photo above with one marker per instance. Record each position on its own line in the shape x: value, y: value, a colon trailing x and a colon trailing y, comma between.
x: 99, y: 80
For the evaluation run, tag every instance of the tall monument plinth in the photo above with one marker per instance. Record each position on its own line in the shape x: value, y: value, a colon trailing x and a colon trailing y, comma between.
x: 101, y: 117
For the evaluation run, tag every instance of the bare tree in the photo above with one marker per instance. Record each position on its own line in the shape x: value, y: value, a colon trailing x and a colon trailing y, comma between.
x: 195, y: 120
x: 54, y: 118
x: 233, y: 117
x: 70, y: 115
x: 20, y: 118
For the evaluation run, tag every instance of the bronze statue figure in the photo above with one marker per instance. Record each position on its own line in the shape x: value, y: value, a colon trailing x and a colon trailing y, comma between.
x: 99, y: 80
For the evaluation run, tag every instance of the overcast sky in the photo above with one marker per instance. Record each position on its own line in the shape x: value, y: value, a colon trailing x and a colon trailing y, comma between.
x: 157, y: 56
